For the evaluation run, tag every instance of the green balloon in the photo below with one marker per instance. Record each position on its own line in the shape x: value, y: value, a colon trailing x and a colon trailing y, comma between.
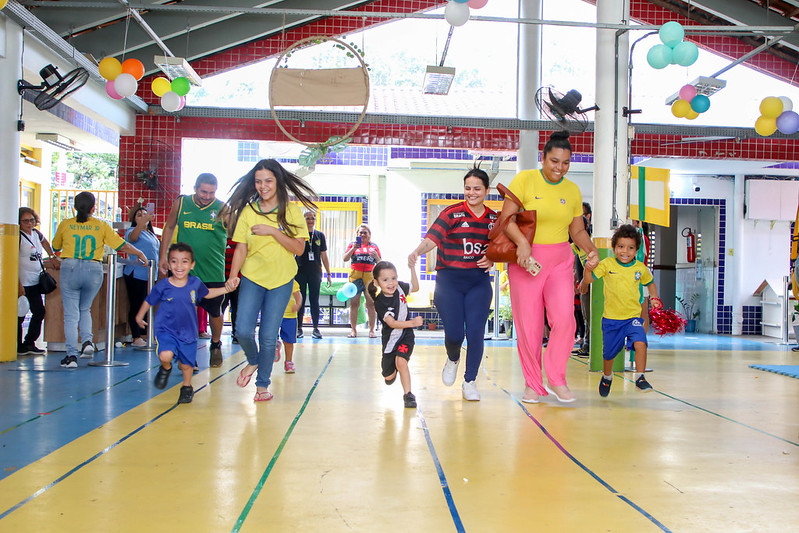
x: 181, y: 86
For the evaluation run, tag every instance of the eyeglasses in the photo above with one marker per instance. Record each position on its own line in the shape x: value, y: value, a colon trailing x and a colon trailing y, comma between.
x: 28, y: 220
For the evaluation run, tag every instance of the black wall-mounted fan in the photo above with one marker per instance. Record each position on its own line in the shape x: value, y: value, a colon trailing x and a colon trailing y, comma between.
x: 563, y: 109
x: 54, y: 87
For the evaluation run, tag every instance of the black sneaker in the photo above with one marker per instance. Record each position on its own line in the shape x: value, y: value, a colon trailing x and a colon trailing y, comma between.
x: 604, y: 386
x: 581, y: 353
x: 186, y: 394
x: 409, y: 399
x: 69, y: 361
x: 24, y: 350
x: 643, y: 385
x: 33, y: 350
x: 316, y: 334
x: 216, y: 353
x: 161, y: 377
x: 87, y: 350
x: 300, y: 334
x: 234, y: 340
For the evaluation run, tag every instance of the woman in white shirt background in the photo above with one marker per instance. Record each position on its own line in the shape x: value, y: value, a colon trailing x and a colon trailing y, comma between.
x: 32, y: 244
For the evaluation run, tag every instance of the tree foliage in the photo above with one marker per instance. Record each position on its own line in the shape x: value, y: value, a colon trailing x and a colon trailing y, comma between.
x: 88, y: 171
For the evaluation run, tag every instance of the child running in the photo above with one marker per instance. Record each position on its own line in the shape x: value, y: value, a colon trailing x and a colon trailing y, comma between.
x: 392, y: 310
x: 288, y: 329
x: 176, y: 326
x: 621, y: 319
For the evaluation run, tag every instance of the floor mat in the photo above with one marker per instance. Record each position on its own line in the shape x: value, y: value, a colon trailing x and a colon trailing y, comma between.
x: 786, y: 370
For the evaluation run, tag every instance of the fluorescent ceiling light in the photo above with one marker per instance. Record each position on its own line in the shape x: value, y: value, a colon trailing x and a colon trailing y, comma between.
x: 704, y: 85
x: 437, y: 80
x: 175, y: 67
x: 59, y: 141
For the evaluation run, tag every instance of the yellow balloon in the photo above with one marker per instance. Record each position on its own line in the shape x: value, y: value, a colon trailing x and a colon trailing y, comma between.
x: 691, y: 114
x: 3, y: 3
x: 681, y: 108
x: 110, y: 68
x: 766, y: 126
x: 771, y: 107
x: 161, y: 86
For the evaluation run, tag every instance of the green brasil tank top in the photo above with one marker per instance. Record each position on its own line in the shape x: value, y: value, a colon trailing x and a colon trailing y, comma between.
x: 203, y: 229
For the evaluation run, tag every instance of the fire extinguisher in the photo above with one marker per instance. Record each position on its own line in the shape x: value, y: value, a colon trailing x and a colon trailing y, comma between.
x: 690, y: 243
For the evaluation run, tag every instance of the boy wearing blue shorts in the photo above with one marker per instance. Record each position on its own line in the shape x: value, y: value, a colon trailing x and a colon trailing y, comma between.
x: 175, y: 327
x: 288, y: 329
x: 621, y: 320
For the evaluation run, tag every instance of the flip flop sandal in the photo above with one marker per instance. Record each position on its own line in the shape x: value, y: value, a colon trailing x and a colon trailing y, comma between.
x: 244, y: 379
x: 263, y: 396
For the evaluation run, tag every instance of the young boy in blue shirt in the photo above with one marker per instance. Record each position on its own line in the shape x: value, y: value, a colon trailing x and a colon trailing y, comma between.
x: 621, y: 319
x: 175, y: 327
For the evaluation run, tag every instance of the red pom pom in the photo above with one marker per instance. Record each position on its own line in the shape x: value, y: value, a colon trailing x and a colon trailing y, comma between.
x: 666, y: 321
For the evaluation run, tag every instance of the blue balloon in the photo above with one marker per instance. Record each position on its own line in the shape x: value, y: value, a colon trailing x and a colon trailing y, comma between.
x: 685, y: 53
x: 671, y: 33
x: 659, y: 56
x: 700, y: 103
x: 788, y: 122
x: 349, y: 290
x: 341, y: 296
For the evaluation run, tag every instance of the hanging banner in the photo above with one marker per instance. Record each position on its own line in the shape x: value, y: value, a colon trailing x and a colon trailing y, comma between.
x: 649, y: 195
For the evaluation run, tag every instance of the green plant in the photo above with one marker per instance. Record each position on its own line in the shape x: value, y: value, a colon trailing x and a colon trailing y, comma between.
x: 506, y: 313
x: 689, y: 306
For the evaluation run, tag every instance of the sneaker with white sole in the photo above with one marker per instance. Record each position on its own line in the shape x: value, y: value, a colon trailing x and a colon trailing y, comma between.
x: 277, y: 351
x: 288, y: 366
x: 470, y: 391
x: 87, y: 350
x: 450, y: 372
x: 69, y: 361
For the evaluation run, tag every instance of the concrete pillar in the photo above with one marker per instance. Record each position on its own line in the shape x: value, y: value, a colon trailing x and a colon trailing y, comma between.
x: 529, y: 74
x: 734, y: 264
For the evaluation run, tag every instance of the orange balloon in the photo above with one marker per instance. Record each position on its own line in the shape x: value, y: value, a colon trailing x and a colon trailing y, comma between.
x: 134, y: 67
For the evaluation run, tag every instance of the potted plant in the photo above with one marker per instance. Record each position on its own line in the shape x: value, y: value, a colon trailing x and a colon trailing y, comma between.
x: 506, y: 315
x: 691, y: 313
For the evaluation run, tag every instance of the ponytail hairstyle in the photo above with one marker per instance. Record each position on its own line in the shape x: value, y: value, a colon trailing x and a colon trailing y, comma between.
x: 558, y: 139
x: 379, y: 267
x: 84, y: 203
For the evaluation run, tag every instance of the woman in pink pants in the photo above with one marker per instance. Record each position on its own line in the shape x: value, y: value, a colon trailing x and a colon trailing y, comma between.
x: 559, y: 207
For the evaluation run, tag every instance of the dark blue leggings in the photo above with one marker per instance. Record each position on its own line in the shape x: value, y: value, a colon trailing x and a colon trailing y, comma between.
x: 463, y: 299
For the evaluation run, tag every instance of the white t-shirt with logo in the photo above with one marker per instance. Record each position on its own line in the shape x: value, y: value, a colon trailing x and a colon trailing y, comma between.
x: 29, y: 254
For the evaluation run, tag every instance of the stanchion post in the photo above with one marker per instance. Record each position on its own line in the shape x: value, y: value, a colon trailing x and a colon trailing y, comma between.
x: 152, y: 276
x: 496, y: 275
x: 786, y: 314
x: 110, y: 313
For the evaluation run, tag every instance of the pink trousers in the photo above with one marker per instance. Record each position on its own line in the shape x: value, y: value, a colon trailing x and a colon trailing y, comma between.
x: 552, y: 289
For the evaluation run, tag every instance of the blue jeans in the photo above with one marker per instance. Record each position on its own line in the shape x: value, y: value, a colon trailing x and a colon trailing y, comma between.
x: 80, y: 281
x: 272, y: 304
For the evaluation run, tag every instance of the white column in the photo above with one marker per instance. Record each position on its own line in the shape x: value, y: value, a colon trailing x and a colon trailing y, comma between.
x: 10, y: 72
x: 733, y: 271
x: 529, y: 80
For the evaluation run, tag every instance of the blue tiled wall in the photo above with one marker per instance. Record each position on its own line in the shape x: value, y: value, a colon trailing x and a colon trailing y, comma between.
x: 753, y: 316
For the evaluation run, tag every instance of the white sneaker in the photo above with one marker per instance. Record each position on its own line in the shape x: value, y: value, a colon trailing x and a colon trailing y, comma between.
x: 87, y: 350
x: 450, y: 372
x: 470, y: 391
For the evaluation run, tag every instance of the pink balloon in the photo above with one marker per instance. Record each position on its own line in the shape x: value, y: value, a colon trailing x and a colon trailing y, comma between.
x: 477, y: 4
x: 182, y: 102
x: 687, y: 92
x: 111, y: 91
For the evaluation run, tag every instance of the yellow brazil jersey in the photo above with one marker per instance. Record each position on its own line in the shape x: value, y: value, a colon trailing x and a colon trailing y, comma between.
x: 556, y: 204
x: 622, y: 282
x: 289, y: 313
x: 85, y: 240
x: 268, y: 263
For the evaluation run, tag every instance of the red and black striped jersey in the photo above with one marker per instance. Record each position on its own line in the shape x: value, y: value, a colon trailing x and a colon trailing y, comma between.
x: 461, y: 237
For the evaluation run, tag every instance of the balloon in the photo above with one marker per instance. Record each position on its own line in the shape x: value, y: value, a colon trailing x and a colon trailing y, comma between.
x: 659, y: 56
x: 170, y: 101
x: 180, y: 86
x: 687, y: 92
x: 477, y: 4
x: 771, y: 107
x: 134, y: 67
x: 680, y: 108
x: 110, y: 68
x: 787, y: 105
x: 161, y: 86
x: 349, y: 289
x: 788, y: 122
x: 125, y: 85
x: 461, y: 1
x: 700, y: 103
x: 456, y: 13
x: 341, y: 297
x: 23, y: 306
x: 671, y: 33
x: 110, y: 91
x: 182, y: 103
x: 3, y: 3
x: 685, y: 53
x: 691, y: 114
x: 765, y: 126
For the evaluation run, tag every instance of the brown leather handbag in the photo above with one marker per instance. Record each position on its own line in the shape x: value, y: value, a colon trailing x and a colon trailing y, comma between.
x: 500, y: 248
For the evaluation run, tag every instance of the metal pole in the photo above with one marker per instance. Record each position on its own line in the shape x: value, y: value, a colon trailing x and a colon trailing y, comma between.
x: 110, y: 313
x: 786, y: 310
x: 153, y: 275
x: 495, y: 273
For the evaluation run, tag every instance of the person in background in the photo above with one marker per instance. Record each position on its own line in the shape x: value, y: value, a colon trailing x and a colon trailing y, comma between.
x: 288, y: 330
x: 32, y: 244
x: 81, y: 240
x: 309, y: 273
x: 364, y: 254
x: 232, y: 297
x: 583, y: 349
x: 140, y: 234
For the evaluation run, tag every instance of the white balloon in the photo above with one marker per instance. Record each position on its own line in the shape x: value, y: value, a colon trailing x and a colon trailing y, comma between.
x: 170, y: 101
x: 125, y: 85
x: 456, y: 13
x: 23, y: 306
x: 787, y: 105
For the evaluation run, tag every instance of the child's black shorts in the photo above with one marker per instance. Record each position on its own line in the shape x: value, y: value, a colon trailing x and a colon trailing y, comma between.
x: 403, y: 350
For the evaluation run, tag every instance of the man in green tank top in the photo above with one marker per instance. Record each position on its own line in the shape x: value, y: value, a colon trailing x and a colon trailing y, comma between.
x: 199, y: 220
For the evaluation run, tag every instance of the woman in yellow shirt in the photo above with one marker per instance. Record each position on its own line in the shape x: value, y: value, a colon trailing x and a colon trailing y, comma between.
x: 81, y: 240
x: 269, y: 231
x: 558, y: 203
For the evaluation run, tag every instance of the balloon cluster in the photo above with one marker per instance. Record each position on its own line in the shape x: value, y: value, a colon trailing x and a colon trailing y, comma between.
x: 776, y: 113
x: 457, y: 11
x: 673, y: 51
x: 666, y: 321
x: 349, y: 290
x: 690, y: 104
x: 172, y: 93
x: 122, y: 79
